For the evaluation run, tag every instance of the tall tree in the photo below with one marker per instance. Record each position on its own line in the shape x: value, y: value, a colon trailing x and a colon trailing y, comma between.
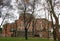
x: 56, y: 29
x: 27, y: 23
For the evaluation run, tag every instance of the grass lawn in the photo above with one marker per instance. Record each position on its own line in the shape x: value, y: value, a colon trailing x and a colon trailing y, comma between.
x: 22, y: 39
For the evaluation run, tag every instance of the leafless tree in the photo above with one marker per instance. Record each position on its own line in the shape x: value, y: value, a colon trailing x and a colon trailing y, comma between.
x: 52, y: 12
x: 27, y: 23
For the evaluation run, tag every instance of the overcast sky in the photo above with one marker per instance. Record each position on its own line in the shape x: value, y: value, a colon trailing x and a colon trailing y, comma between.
x: 39, y: 14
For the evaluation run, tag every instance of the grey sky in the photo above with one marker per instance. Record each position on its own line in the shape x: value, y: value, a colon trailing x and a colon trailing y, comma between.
x: 38, y: 14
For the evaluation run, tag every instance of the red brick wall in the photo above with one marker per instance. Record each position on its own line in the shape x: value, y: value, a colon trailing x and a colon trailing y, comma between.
x: 6, y: 30
x: 19, y: 24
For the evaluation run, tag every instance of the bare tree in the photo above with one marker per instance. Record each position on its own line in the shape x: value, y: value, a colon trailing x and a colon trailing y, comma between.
x: 52, y: 12
x: 27, y: 23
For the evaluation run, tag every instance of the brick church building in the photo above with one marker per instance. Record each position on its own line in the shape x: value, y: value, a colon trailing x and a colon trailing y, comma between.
x: 37, y: 27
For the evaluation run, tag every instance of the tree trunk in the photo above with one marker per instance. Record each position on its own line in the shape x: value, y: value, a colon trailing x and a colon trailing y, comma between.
x: 56, y: 29
x: 26, y: 33
x: 33, y: 28
x: 54, y: 33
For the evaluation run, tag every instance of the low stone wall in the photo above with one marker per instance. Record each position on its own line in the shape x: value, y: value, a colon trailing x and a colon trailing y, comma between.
x: 22, y: 33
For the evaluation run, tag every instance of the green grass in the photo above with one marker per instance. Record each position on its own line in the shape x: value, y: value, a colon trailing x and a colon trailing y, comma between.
x: 22, y: 39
